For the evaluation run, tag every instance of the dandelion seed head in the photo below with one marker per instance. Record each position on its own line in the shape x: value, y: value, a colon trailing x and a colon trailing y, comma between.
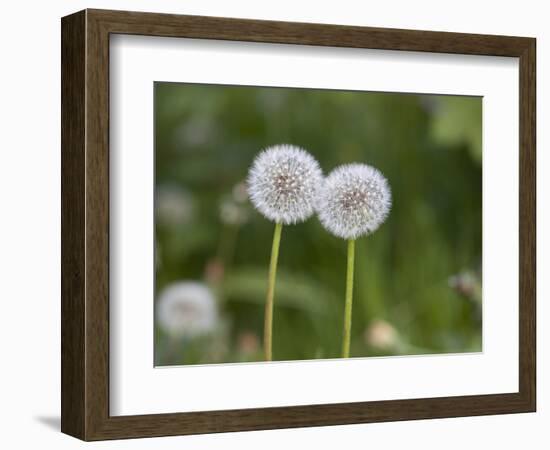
x: 283, y: 183
x: 354, y: 201
x: 187, y: 309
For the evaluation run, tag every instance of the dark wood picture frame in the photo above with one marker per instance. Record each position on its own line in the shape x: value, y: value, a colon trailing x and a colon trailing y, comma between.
x: 85, y: 224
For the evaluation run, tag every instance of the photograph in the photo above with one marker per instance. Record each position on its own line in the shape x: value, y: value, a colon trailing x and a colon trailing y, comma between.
x: 300, y: 223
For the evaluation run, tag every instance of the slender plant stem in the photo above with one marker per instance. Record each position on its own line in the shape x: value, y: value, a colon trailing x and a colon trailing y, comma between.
x: 349, y: 299
x: 268, y: 324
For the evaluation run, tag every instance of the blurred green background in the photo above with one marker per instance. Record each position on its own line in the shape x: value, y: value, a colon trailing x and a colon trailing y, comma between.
x: 417, y: 279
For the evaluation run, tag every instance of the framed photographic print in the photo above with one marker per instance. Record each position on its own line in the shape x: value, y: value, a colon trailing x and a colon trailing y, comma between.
x: 270, y: 224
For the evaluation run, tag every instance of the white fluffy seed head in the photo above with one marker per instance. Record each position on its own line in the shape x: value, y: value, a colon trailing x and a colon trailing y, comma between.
x: 187, y: 309
x: 354, y: 201
x: 283, y: 183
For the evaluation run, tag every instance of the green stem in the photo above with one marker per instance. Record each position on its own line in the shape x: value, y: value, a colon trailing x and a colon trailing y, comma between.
x: 349, y: 299
x: 268, y: 324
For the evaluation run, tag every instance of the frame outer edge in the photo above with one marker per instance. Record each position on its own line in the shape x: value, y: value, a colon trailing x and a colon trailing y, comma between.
x: 96, y: 239
x: 528, y: 224
x: 73, y: 225
x: 85, y: 225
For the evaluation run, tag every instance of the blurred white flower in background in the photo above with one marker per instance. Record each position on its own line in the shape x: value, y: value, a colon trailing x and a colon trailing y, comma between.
x: 283, y: 183
x: 467, y: 284
x: 233, y: 208
x: 239, y: 192
x: 381, y: 335
x: 354, y: 201
x: 173, y: 205
x: 187, y: 309
x: 248, y: 342
x: 232, y: 213
x: 194, y: 132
